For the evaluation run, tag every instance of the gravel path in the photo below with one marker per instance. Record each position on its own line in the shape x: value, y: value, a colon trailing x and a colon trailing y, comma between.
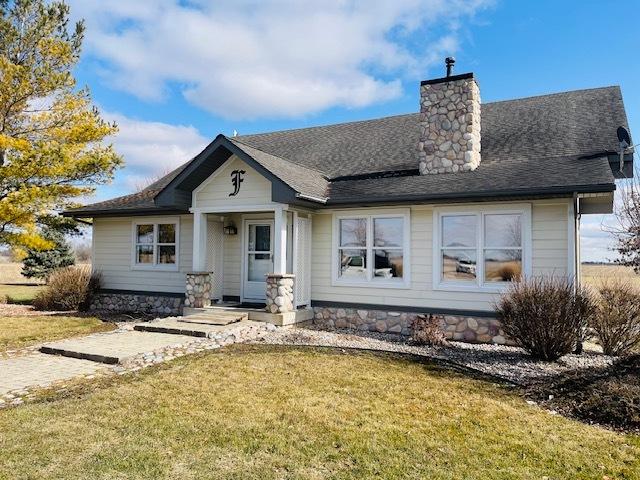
x: 507, y: 363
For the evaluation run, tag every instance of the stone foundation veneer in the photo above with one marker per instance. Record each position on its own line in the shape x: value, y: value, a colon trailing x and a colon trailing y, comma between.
x: 455, y: 327
x: 198, y: 294
x: 136, y: 303
x: 280, y: 292
x: 449, y: 125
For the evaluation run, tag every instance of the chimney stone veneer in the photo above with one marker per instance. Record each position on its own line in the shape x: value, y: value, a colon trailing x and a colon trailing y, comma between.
x: 449, y: 125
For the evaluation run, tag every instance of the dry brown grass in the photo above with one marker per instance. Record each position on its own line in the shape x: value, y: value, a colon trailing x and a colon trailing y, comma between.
x: 17, y: 332
x: 260, y: 412
x: 11, y: 272
x: 594, y: 275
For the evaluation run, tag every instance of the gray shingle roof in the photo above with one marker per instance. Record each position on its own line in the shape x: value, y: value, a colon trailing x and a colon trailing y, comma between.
x: 529, y: 144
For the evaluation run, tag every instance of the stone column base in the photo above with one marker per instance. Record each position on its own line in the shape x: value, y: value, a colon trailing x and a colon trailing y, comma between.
x: 198, y: 294
x: 280, y: 292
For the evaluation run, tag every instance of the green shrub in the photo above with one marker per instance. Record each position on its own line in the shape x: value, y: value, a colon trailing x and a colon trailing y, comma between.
x: 70, y: 288
x: 547, y: 316
x: 617, y: 319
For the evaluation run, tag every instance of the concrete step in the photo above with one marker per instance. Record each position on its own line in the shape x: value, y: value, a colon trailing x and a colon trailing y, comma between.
x: 175, y: 326
x: 215, y: 318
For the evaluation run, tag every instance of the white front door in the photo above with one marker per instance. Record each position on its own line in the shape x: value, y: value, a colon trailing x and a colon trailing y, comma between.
x: 258, y: 252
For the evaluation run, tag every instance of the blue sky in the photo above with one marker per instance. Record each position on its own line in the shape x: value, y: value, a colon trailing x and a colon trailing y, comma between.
x: 174, y: 73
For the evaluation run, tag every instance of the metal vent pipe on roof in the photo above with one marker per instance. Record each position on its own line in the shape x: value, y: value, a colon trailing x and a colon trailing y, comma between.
x: 449, y: 62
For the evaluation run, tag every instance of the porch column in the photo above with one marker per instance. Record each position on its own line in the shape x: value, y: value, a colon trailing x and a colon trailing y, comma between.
x: 199, y: 241
x: 280, y: 293
x: 198, y: 290
x: 280, y: 241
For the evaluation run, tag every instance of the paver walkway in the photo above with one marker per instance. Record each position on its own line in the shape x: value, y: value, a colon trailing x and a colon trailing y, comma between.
x: 128, y: 348
x: 114, y: 347
x: 40, y: 370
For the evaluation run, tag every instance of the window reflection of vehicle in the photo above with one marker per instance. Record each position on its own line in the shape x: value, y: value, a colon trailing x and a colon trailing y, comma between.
x: 465, y: 265
x: 353, y: 266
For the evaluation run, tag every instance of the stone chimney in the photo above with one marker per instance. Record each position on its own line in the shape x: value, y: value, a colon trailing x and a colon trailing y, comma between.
x: 449, y: 124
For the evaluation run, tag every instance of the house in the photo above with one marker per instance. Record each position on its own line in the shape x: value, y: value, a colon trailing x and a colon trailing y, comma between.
x: 368, y: 224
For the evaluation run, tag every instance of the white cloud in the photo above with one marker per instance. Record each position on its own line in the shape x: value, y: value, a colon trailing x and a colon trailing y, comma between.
x: 279, y: 58
x: 150, y: 148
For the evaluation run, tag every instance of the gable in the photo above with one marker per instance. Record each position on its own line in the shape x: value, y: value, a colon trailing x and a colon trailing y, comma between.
x: 218, y: 190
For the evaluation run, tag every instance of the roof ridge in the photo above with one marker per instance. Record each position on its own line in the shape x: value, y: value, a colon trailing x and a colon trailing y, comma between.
x: 554, y: 94
x: 235, y: 139
x: 354, y: 122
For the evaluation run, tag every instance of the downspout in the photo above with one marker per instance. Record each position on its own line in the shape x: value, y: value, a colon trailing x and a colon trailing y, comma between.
x: 576, y: 243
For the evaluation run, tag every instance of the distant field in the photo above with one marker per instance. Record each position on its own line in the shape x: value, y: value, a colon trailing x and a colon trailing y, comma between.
x: 595, y: 274
x: 14, y: 288
x: 11, y: 273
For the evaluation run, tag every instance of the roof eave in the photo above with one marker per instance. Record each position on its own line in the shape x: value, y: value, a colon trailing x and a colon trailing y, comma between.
x: 486, y: 195
x: 123, y: 212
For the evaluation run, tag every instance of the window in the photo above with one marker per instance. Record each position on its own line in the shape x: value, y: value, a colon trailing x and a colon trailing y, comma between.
x: 371, y: 249
x: 480, y: 249
x: 156, y: 245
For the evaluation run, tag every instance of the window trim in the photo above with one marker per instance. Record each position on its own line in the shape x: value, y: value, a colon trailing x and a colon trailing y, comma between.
x: 371, y: 281
x: 164, y: 267
x: 479, y: 285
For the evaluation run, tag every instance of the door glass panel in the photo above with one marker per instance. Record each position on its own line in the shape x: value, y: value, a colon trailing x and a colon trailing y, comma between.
x: 259, y: 265
x: 259, y: 238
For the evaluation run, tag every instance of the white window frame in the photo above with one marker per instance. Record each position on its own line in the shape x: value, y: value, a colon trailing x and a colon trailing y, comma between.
x: 480, y: 212
x: 166, y: 267
x: 371, y: 281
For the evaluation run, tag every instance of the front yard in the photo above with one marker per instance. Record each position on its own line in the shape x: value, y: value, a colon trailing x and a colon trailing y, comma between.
x: 284, y: 412
x: 22, y: 331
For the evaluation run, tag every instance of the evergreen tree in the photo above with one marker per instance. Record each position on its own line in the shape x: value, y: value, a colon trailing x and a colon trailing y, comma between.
x: 52, y: 138
x: 42, y: 263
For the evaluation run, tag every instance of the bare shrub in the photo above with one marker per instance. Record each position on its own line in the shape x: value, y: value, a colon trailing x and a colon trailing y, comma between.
x: 547, y: 316
x: 617, y: 319
x: 426, y: 330
x: 68, y: 289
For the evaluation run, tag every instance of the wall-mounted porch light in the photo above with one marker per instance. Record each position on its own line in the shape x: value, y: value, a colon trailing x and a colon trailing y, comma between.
x: 230, y: 229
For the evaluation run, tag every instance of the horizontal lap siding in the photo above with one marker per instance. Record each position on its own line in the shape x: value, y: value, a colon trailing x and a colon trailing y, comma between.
x: 113, y: 250
x: 550, y: 239
x: 549, y: 236
x: 232, y: 259
x: 254, y: 189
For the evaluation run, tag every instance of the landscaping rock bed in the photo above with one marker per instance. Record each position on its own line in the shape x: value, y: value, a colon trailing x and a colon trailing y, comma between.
x: 608, y: 395
x: 504, y: 362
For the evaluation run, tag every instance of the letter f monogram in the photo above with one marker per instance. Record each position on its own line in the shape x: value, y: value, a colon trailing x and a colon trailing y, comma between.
x: 236, y: 180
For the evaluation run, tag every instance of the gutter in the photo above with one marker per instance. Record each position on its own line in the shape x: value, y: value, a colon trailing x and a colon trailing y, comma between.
x: 488, y: 194
x: 312, y: 198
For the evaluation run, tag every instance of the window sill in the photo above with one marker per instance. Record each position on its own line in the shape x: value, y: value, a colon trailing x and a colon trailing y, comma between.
x: 381, y: 284
x: 156, y: 268
x: 449, y: 287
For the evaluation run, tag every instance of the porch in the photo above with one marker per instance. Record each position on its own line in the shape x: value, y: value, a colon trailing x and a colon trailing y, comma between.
x: 256, y: 259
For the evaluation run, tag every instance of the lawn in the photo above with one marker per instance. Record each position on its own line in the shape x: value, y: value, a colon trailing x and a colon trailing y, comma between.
x: 22, y: 294
x: 16, y: 332
x: 264, y: 412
